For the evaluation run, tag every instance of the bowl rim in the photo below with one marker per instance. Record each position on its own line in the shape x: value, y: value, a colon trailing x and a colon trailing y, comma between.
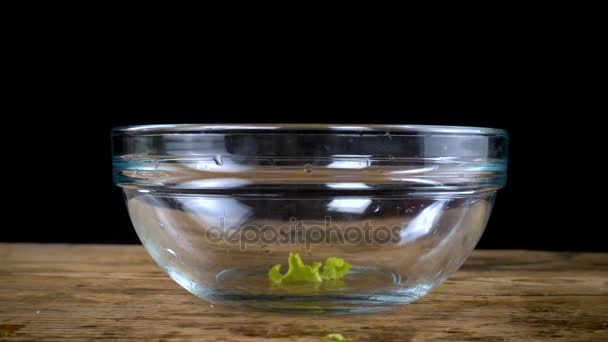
x: 304, y: 128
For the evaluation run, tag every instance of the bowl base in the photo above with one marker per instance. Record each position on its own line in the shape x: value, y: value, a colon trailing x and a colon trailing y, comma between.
x: 336, y: 305
x: 363, y: 290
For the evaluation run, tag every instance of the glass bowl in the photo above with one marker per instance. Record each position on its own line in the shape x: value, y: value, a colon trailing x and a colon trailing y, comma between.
x: 360, y: 217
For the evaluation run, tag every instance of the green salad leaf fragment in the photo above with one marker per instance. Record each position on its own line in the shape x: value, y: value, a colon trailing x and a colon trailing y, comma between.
x: 335, y: 268
x: 275, y: 274
x: 298, y: 271
x: 336, y: 337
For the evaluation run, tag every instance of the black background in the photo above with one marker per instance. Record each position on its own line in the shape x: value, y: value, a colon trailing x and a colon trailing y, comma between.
x: 101, y: 78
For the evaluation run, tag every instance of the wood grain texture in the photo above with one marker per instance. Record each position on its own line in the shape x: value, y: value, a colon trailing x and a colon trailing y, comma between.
x: 77, y: 292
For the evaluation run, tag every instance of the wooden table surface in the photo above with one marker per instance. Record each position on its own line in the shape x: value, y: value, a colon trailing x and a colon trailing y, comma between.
x: 93, y: 292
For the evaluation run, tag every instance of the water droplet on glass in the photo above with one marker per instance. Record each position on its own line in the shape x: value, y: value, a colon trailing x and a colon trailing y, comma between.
x: 218, y: 160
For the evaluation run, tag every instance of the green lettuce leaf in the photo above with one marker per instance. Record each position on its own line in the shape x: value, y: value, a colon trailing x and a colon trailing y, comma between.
x: 336, y: 337
x: 275, y: 274
x: 298, y: 272
x: 335, y: 268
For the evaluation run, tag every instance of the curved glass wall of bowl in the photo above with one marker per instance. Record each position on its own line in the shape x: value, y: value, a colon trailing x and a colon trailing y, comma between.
x: 217, y: 206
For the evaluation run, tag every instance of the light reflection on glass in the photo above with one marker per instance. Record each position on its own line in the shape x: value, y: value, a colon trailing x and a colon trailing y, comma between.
x: 215, y: 183
x: 347, y: 185
x: 349, y: 205
x: 348, y: 164
x: 418, y: 170
x: 417, y: 180
x: 423, y: 223
x: 210, y: 210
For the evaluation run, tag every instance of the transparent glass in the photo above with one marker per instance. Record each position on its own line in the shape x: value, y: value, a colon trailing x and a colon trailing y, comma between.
x: 217, y: 206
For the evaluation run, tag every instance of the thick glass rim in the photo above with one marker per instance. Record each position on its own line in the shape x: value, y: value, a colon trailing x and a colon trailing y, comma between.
x: 201, y: 156
x: 305, y: 128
